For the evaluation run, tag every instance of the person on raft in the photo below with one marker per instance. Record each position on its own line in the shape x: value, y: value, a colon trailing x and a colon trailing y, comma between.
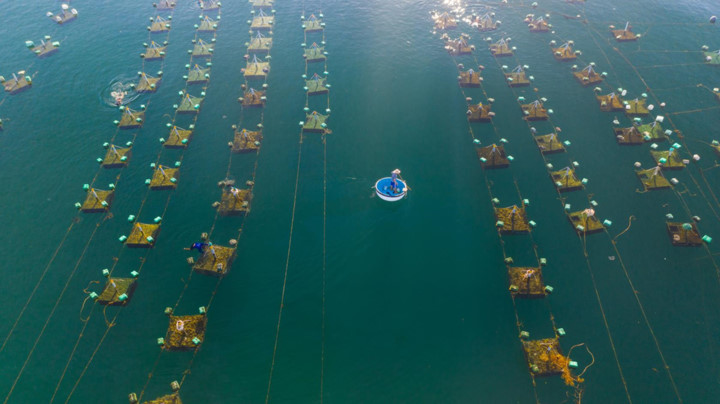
x: 197, y: 246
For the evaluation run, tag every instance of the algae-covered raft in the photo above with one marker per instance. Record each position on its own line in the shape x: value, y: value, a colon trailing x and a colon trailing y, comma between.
x: 526, y: 282
x: 493, y: 156
x: 246, y: 141
x: 512, y: 219
x: 117, y: 291
x: 544, y: 356
x: 97, y: 200
x: 178, y: 138
x: 184, y: 332
x: 18, y: 83
x: 215, y: 260
x: 315, y: 122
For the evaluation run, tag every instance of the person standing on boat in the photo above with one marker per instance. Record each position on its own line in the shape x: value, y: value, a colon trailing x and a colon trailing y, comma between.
x: 393, y: 180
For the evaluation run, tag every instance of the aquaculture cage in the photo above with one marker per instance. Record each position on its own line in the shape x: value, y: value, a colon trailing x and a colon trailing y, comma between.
x: 167, y: 399
x: 256, y: 69
x: 501, y: 48
x: 628, y: 136
x: 564, y: 53
x: 262, y: 22
x: 66, y: 14
x: 479, y: 112
x: 164, y: 178
x: 588, y: 76
x: 469, y: 78
x: 684, y: 234
x: 147, y: 84
x: 315, y: 122
x: 215, y: 260
x: 493, y: 156
x: 44, y: 48
x: 159, y: 25
x: 262, y: 3
x: 117, y: 292
x: 484, y: 23
x: 142, y: 235
x: 260, y: 44
x: 526, y: 282
x: 445, y: 22
x: 315, y: 53
x: 18, y: 83
x: 210, y: 5
x: 97, y: 201
x: 313, y: 24
x: 539, y: 25
x: 534, y: 111
x: 202, y: 49
x: 131, y: 119
x: 164, y: 5
x: 253, y: 98
x: 198, y: 75
x: 116, y: 157
x: 517, y: 77
x: 549, y: 143
x: 246, y: 141
x: 585, y: 222
x: 178, y: 138
x: 459, y: 46
x: 317, y: 85
x: 512, y: 219
x: 184, y: 332
x: 624, y: 35
x: 610, y: 102
x: 653, y: 179
x: 636, y: 107
x: 207, y: 24
x: 544, y: 357
x: 190, y: 104
x: 668, y: 159
x: 565, y: 180
x: 154, y: 52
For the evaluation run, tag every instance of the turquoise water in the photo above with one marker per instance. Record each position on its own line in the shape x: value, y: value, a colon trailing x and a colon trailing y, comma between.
x: 415, y: 294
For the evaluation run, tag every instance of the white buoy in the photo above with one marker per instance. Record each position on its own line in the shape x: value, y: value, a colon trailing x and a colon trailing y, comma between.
x: 696, y: 157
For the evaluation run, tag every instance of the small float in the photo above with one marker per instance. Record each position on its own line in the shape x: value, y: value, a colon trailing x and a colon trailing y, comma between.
x: 391, y: 188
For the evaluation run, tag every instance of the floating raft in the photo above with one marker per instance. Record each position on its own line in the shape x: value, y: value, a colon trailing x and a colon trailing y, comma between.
x: 459, y: 46
x: 669, y: 160
x: 147, y: 84
x: 207, y: 24
x: 246, y: 141
x: 97, y: 201
x: 484, y: 23
x: 210, y: 5
x: 178, y: 138
x: 636, y: 107
x: 501, y: 48
x: 256, y: 69
x: 539, y: 25
x: 313, y: 24
x: 588, y: 76
x: 167, y: 399
x: 154, y: 52
x: 628, y: 136
x: 565, y: 180
x: 215, y: 260
x: 317, y: 85
x: 564, y: 53
x: 517, y: 77
x: 584, y: 223
x: 252, y: 98
x: 65, y: 15
x: 493, y: 156
x: 164, y: 178
x: 512, y: 219
x: 712, y: 58
x: 653, y: 178
x: 544, y: 357
x: 185, y: 332
x: 234, y: 201
x: 479, y: 113
x: 549, y: 144
x: 610, y: 102
x: 624, y: 35
x: 534, y: 111
x: 260, y: 44
x: 17, y: 83
x: 190, y: 104
x: 143, y: 235
x: 202, y: 49
x: 117, y: 292
x: 526, y: 282
x: 315, y: 122
x: 131, y: 119
x: 652, y: 132
x: 315, y: 53
x: 262, y: 22
x: 44, y: 48
x: 684, y: 234
x: 198, y: 75
x: 469, y: 78
x: 164, y: 5
x: 115, y: 157
x: 159, y: 25
x: 262, y: 3
x: 445, y: 22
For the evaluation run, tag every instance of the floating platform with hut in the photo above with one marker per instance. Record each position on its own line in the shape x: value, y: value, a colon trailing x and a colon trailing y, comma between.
x: 253, y: 98
x: 534, y: 111
x: 207, y: 24
x: 197, y: 75
x: 45, y: 48
x: 315, y: 53
x: 313, y: 24
x: 190, y: 104
x: 526, y: 282
x: 501, y: 48
x: 444, y: 22
x: 512, y: 219
x: 66, y: 14
x: 459, y: 46
x: 549, y: 143
x: 234, y: 201
x: 164, y: 178
x: 479, y: 112
x: 117, y: 292
x: 653, y: 179
x: 317, y: 85
x: 97, y: 201
x: 684, y: 234
x: 485, y: 23
x: 539, y: 25
x: 202, y: 49
x: 636, y: 107
x: 131, y: 119
x: 610, y: 102
x: 625, y: 34
x: 115, y: 157
x: 564, y: 52
x: 668, y: 159
x: 262, y: 22
x: 256, y: 69
x: 246, y: 141
x: 585, y: 222
x: 588, y: 76
x: 469, y: 78
x: 159, y: 25
x: 17, y: 84
x: 215, y: 260
x: 544, y: 357
x: 164, y: 5
x: 142, y: 235
x: 517, y: 77
x: 178, y: 138
x: 315, y: 122
x: 565, y: 180
x: 493, y: 156
x: 259, y: 44
x: 184, y: 332
x: 154, y: 51
x: 147, y: 83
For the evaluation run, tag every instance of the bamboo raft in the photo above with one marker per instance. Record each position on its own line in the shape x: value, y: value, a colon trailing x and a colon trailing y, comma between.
x: 653, y: 179
x: 526, y: 282
x: 178, y: 138
x: 479, y: 112
x: 215, y: 260
x: 512, y: 220
x: 184, y: 332
x: 534, y: 111
x: 517, y: 77
x: 493, y: 156
x: 97, y: 201
x: 624, y: 35
x: 588, y: 76
x: 117, y: 292
x: 684, y: 234
x: 469, y: 78
x: 501, y: 48
x: 116, y: 157
x: 565, y: 180
x: 549, y: 144
x: 585, y: 224
x: 246, y: 141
